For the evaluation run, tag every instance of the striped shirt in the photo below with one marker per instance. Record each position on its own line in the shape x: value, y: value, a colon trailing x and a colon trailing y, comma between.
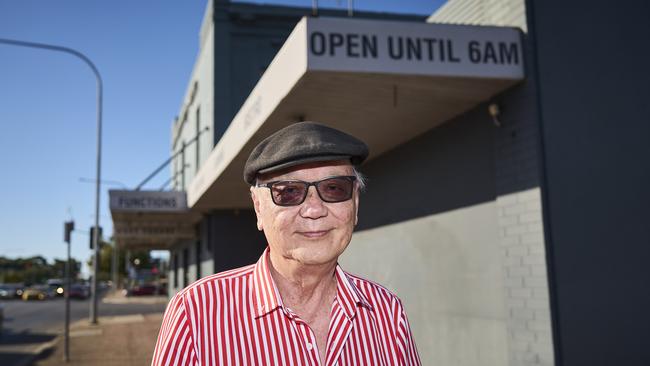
x: 237, y: 318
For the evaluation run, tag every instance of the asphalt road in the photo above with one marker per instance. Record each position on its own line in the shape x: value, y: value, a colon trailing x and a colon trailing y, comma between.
x: 29, y: 324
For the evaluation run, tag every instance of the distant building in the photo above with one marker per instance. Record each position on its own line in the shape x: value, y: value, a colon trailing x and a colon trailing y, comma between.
x: 482, y: 210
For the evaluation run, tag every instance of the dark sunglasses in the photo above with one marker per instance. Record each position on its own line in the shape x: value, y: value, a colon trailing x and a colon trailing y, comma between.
x: 294, y: 192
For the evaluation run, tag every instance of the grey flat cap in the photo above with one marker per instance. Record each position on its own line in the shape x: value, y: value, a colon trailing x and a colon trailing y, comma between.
x: 300, y: 143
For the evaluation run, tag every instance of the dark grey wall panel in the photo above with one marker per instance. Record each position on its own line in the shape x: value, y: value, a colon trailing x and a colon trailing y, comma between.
x: 592, y: 61
x: 234, y: 239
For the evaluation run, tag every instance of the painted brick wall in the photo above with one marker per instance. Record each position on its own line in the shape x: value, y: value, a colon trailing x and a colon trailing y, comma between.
x: 525, y: 281
x: 521, y: 232
x: 482, y: 12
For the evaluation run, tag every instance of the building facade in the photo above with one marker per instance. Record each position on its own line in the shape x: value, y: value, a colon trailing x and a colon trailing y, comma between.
x: 459, y: 218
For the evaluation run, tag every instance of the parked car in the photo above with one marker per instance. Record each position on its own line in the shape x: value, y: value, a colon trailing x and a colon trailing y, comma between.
x: 79, y: 291
x: 38, y: 292
x: 141, y: 290
x: 6, y: 292
x: 11, y: 290
x: 56, y: 285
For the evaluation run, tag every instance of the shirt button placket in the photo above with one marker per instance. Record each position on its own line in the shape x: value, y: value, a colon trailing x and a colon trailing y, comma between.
x: 311, y: 345
x: 309, y: 341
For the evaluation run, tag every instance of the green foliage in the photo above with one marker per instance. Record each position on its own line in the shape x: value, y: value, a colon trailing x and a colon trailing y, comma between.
x: 106, y: 261
x: 34, y: 270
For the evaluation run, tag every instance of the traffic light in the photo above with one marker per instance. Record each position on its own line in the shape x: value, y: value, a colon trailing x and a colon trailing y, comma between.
x: 68, y: 227
x: 92, y: 236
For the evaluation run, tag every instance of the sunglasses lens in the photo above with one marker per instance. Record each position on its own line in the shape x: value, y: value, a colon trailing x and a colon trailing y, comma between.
x: 335, y: 189
x: 288, y: 193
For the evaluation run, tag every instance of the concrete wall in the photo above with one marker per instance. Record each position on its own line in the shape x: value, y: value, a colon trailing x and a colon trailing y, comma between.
x: 517, y: 170
x: 446, y: 268
x: 428, y: 230
x: 452, y: 222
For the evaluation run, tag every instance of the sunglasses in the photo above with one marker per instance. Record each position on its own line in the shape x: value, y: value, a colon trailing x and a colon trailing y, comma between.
x: 294, y: 192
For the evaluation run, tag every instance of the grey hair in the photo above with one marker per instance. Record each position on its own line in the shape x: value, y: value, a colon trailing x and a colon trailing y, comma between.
x: 361, y: 179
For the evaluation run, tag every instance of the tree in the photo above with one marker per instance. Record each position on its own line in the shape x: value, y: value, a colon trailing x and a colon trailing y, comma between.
x: 34, y: 270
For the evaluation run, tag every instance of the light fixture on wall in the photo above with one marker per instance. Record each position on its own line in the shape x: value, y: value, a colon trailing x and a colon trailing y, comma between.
x: 495, y: 112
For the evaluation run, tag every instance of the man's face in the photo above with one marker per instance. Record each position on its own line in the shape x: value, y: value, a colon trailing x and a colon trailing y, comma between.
x: 314, y: 232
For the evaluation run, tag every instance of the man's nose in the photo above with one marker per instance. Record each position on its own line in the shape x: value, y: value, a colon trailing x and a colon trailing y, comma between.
x: 313, y: 207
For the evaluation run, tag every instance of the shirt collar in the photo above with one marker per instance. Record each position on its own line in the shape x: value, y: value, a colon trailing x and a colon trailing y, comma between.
x: 267, y: 297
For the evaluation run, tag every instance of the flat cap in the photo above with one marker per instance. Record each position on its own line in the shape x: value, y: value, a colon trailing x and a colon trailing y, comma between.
x: 300, y: 143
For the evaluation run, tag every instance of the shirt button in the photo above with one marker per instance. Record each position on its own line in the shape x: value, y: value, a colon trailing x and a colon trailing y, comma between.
x: 309, y: 346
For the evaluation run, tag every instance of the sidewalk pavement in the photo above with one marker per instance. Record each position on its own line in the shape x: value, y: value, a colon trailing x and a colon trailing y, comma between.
x: 124, y: 340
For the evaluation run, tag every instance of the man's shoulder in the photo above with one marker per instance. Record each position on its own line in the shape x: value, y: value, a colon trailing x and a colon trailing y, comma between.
x: 374, y: 292
x: 218, y: 280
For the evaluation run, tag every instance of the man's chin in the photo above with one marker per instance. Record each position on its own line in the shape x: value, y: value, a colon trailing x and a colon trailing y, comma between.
x: 312, y: 256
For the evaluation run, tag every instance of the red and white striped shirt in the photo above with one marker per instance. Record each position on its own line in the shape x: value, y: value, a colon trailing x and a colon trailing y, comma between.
x: 237, y: 318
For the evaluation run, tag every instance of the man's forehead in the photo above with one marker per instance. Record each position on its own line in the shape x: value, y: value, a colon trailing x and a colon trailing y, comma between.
x: 314, y: 170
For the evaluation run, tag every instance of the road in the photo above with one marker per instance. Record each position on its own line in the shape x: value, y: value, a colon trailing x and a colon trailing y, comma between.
x: 30, y: 324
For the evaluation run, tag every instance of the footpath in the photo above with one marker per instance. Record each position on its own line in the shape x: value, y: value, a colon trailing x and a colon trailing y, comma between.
x: 124, y: 340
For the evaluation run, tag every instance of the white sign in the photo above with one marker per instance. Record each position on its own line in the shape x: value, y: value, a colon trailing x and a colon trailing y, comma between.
x: 147, y: 201
x: 371, y: 46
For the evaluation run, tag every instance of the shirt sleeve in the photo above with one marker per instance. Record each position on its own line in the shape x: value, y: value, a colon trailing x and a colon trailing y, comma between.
x: 409, y: 353
x: 175, y: 346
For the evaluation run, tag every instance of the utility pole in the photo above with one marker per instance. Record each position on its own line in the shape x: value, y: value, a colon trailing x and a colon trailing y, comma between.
x: 114, y: 265
x: 98, y: 79
x: 68, y: 227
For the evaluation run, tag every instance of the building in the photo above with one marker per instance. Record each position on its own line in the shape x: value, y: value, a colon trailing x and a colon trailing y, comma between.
x: 481, y: 213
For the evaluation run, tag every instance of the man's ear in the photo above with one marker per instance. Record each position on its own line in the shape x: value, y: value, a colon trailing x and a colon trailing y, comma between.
x: 256, y: 205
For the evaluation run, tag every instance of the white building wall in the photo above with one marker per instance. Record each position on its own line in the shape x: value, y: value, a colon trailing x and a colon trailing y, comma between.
x: 521, y: 233
x: 193, y: 267
x: 207, y: 267
x: 524, y: 270
x: 510, y: 13
x: 447, y: 270
x: 198, y: 104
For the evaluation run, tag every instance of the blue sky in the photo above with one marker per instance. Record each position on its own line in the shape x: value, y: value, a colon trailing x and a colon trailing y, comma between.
x: 144, y: 51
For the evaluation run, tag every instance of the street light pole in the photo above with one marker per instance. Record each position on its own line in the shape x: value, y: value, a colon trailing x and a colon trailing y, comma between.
x: 93, y: 303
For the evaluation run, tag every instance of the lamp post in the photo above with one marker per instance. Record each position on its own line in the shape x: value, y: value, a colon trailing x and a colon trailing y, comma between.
x: 93, y: 284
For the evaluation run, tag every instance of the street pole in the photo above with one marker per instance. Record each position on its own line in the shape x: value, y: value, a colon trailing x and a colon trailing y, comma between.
x: 114, y: 264
x: 68, y: 227
x: 98, y: 78
x: 66, y: 293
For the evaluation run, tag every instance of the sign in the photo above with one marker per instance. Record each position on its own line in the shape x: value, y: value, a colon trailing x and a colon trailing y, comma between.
x: 147, y: 201
x: 149, y: 231
x: 154, y: 234
x: 371, y: 46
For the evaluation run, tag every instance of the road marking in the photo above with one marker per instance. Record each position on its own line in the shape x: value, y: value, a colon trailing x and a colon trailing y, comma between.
x: 42, y: 347
x: 135, y: 318
x: 131, y: 300
x: 86, y: 333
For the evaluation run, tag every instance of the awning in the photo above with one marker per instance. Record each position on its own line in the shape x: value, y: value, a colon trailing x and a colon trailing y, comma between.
x: 385, y: 82
x: 151, y: 219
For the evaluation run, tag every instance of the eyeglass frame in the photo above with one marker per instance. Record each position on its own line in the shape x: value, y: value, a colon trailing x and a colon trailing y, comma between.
x: 269, y: 185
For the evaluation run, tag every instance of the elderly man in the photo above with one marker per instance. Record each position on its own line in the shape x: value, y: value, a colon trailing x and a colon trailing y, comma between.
x: 295, y: 306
